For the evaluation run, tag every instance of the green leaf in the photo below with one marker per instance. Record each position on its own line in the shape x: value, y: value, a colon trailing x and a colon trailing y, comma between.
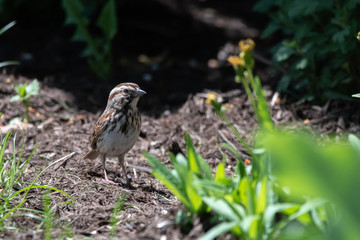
x: 283, y: 53
x: 192, y: 194
x: 272, y: 210
x: 270, y: 29
x: 191, y: 155
x: 164, y: 175
x: 284, y: 83
x: 247, y: 195
x: 15, y: 98
x: 32, y: 88
x: 107, y: 20
x: 261, y: 200
x: 19, y: 88
x: 218, y: 230
x: 220, y: 172
x: 231, y: 212
x: 356, y: 95
x: 302, y: 64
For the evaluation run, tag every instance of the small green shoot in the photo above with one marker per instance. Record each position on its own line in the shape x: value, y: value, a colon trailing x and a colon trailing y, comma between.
x: 24, y: 92
x: 119, y: 205
x: 48, y: 222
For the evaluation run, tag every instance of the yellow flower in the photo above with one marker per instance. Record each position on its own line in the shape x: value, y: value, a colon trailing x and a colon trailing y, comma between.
x: 236, y: 61
x: 247, y: 45
x: 210, y: 98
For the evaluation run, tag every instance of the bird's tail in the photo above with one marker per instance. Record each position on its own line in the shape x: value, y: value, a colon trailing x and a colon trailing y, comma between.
x: 92, y: 154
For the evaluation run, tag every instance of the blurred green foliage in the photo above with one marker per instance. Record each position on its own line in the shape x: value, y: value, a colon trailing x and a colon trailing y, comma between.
x: 319, y: 52
x: 98, y: 47
x: 95, y: 24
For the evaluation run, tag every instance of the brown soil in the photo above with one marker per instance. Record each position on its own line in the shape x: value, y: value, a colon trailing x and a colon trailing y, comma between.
x: 60, y: 130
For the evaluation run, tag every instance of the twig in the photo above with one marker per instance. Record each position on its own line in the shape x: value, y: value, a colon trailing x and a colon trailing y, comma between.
x: 144, y: 169
x: 62, y: 160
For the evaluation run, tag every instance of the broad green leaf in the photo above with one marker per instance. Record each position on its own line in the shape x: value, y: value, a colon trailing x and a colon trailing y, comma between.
x: 194, y: 198
x: 181, y: 159
x: 220, y: 172
x: 164, y: 175
x: 302, y: 64
x: 283, y: 53
x: 270, y: 29
x: 247, y: 195
x: 19, y: 88
x: 32, y: 88
x: 247, y: 225
x: 261, y: 200
x: 272, y: 210
x: 107, y: 20
x: 74, y: 9
x: 231, y: 212
x: 15, y: 98
x: 284, y: 83
x: 218, y: 230
x: 204, y: 167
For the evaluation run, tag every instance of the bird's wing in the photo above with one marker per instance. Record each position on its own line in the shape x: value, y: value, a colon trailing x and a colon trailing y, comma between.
x: 99, y: 129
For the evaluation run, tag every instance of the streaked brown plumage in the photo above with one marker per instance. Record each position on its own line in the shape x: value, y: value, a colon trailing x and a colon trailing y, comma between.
x: 117, y: 129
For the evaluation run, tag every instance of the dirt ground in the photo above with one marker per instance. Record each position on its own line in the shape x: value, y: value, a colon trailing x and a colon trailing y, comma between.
x: 175, y: 61
x: 62, y: 131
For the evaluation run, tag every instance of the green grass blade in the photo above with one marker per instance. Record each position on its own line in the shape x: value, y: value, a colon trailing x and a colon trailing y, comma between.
x: 7, y: 63
x: 7, y: 26
x: 191, y: 155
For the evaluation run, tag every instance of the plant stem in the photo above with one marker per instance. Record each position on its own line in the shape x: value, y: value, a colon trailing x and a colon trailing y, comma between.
x: 26, y: 104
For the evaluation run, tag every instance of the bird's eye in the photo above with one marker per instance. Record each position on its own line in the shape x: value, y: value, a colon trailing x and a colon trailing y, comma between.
x: 126, y: 91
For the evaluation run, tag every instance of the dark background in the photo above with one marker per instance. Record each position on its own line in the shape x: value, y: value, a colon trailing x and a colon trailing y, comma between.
x: 170, y: 48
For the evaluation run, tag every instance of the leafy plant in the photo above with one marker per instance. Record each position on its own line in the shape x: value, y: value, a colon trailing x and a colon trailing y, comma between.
x: 320, y: 59
x: 182, y: 180
x: 24, y: 92
x: 296, y: 187
x: 98, y: 48
x: 2, y: 30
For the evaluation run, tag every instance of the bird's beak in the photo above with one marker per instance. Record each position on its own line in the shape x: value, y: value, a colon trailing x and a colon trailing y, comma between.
x: 139, y: 93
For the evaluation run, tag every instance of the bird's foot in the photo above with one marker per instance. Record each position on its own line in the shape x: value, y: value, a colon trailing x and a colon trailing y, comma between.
x: 109, y: 182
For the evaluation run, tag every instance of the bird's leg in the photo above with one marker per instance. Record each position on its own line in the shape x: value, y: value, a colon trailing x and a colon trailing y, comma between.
x: 103, y: 158
x: 122, y: 164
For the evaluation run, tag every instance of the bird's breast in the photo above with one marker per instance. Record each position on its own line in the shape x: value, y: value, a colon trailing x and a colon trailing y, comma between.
x: 121, y: 134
